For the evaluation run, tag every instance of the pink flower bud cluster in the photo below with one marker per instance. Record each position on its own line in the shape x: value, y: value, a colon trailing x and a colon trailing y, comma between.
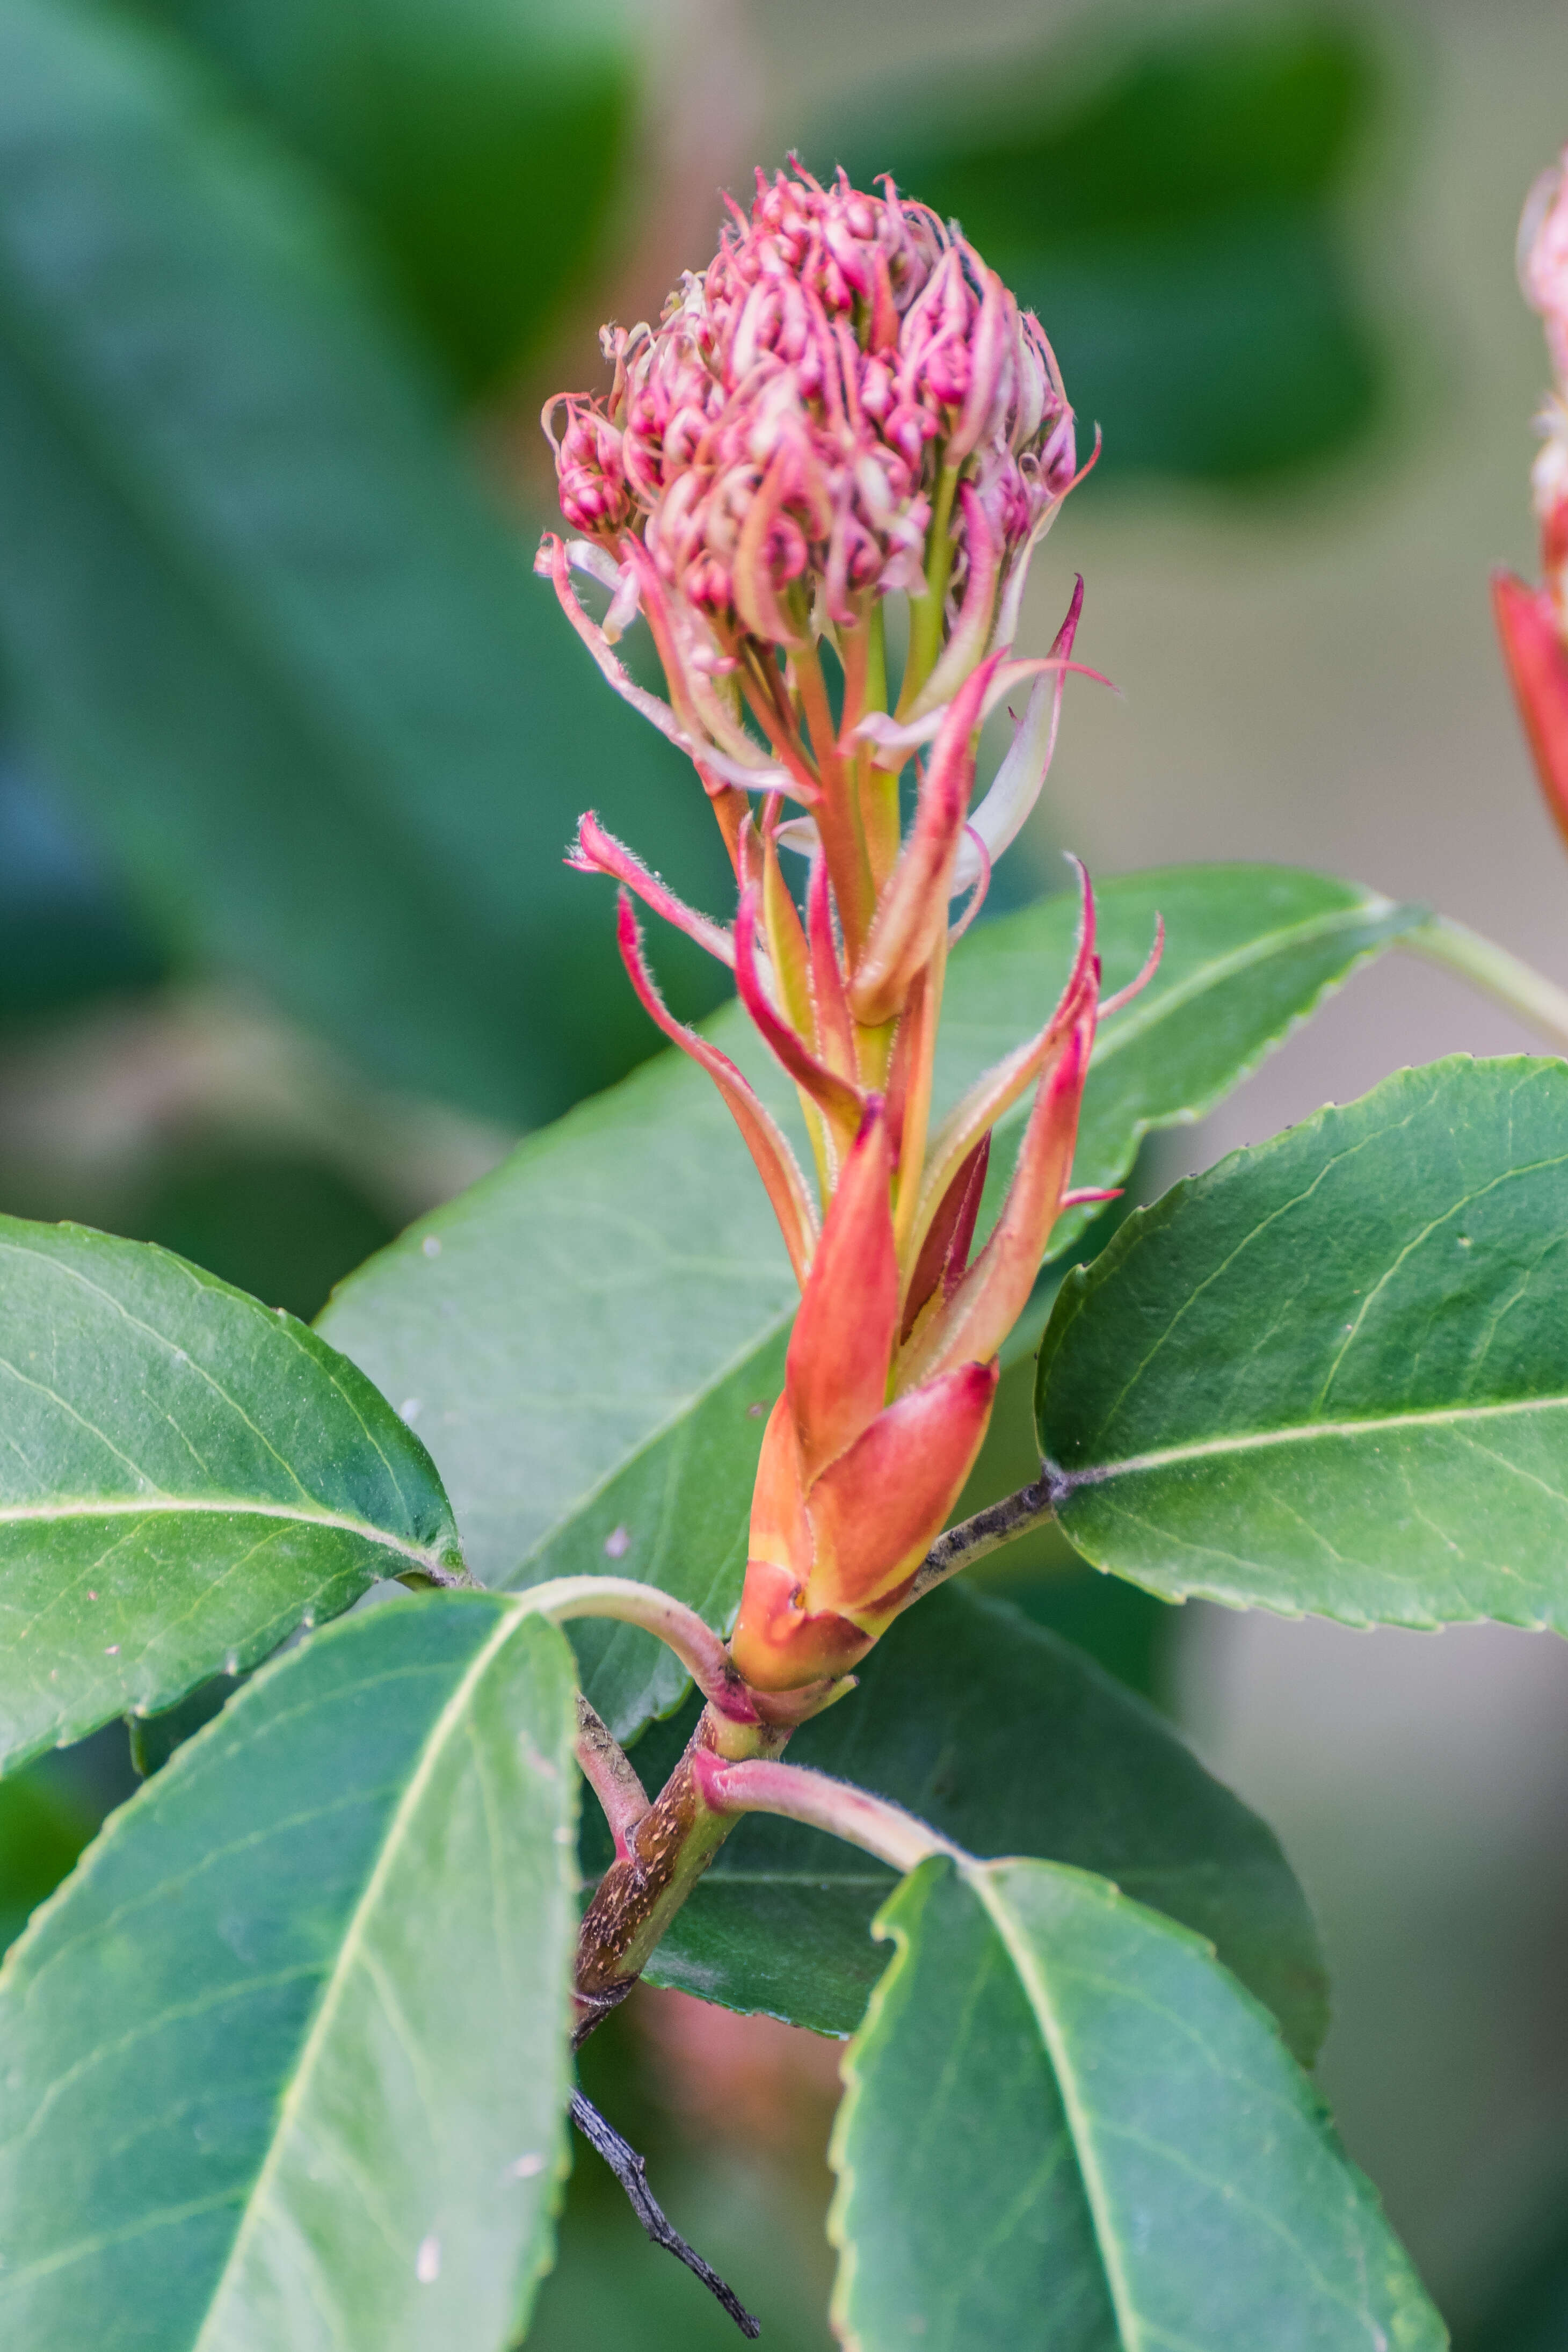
x: 780, y: 435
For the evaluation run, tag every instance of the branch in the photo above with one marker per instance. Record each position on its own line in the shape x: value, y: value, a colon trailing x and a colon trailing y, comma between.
x: 695, y: 1643
x: 874, y: 1823
x: 631, y: 2170
x: 610, y: 1773
x: 1528, y: 994
x: 988, y: 1531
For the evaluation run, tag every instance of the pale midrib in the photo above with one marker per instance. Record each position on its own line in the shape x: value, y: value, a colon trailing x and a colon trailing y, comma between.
x: 1261, y: 949
x: 448, y: 1721
x: 1129, y: 2321
x: 1302, y: 1434
x: 224, y: 1507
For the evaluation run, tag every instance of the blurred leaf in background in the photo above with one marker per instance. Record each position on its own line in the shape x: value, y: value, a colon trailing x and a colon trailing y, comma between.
x: 260, y: 619
x: 1165, y: 191
x: 482, y: 142
x: 66, y: 933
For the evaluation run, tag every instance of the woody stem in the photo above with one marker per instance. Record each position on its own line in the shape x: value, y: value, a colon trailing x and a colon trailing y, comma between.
x: 665, y: 1853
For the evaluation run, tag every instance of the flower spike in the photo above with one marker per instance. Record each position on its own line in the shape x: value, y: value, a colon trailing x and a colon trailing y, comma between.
x: 846, y: 403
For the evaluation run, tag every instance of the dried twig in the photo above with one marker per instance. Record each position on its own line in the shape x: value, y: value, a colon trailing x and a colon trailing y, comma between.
x: 1015, y: 1515
x: 631, y: 2172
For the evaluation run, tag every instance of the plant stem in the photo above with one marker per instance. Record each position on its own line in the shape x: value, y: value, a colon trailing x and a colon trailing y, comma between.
x: 696, y: 1644
x: 800, y: 1794
x: 665, y: 1854
x: 631, y: 2170
x: 988, y: 1531
x: 1527, y: 993
x: 611, y: 1774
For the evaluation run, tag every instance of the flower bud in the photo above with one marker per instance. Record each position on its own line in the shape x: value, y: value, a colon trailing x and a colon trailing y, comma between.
x: 846, y: 403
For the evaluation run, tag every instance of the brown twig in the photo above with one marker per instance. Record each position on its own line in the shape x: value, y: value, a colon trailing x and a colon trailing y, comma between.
x: 631, y: 2170
x: 988, y: 1531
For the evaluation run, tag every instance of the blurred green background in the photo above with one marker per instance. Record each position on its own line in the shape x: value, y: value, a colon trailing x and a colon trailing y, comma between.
x: 291, y: 741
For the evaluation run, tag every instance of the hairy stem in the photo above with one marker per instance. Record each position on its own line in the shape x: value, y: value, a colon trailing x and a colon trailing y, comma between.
x: 631, y: 2170
x: 695, y: 1643
x: 799, y: 1794
x: 988, y: 1531
x: 610, y: 1773
x: 1528, y: 993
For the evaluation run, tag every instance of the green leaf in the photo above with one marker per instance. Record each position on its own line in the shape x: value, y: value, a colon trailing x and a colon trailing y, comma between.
x: 1061, y: 2107
x: 1250, y: 951
x: 1329, y: 1375
x: 594, y: 1333
x: 258, y: 614
x: 1008, y: 1741
x: 286, y: 2059
x: 482, y: 140
x: 186, y: 1477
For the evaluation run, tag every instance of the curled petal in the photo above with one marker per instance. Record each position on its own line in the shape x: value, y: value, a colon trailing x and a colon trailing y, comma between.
x: 553, y: 558
x: 583, y: 556
x: 1110, y: 1004
x: 1538, y: 666
x: 990, y: 339
x: 912, y: 915
x: 801, y: 834
x: 595, y: 851
x: 836, y: 1373
x: 776, y: 1163
x: 756, y: 598
x: 874, y: 1514
x: 843, y: 1104
x: 971, y: 846
x: 893, y: 739
x: 1000, y: 816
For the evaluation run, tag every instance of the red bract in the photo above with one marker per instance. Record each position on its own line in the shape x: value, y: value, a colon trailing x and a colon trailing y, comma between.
x: 1532, y: 623
x: 847, y: 403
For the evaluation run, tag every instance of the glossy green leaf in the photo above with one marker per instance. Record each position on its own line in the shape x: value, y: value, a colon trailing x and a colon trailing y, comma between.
x: 1067, y: 2124
x: 592, y: 1334
x: 1008, y: 1741
x: 285, y: 2061
x: 482, y: 140
x: 1330, y: 1375
x: 186, y: 1476
x: 258, y: 614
